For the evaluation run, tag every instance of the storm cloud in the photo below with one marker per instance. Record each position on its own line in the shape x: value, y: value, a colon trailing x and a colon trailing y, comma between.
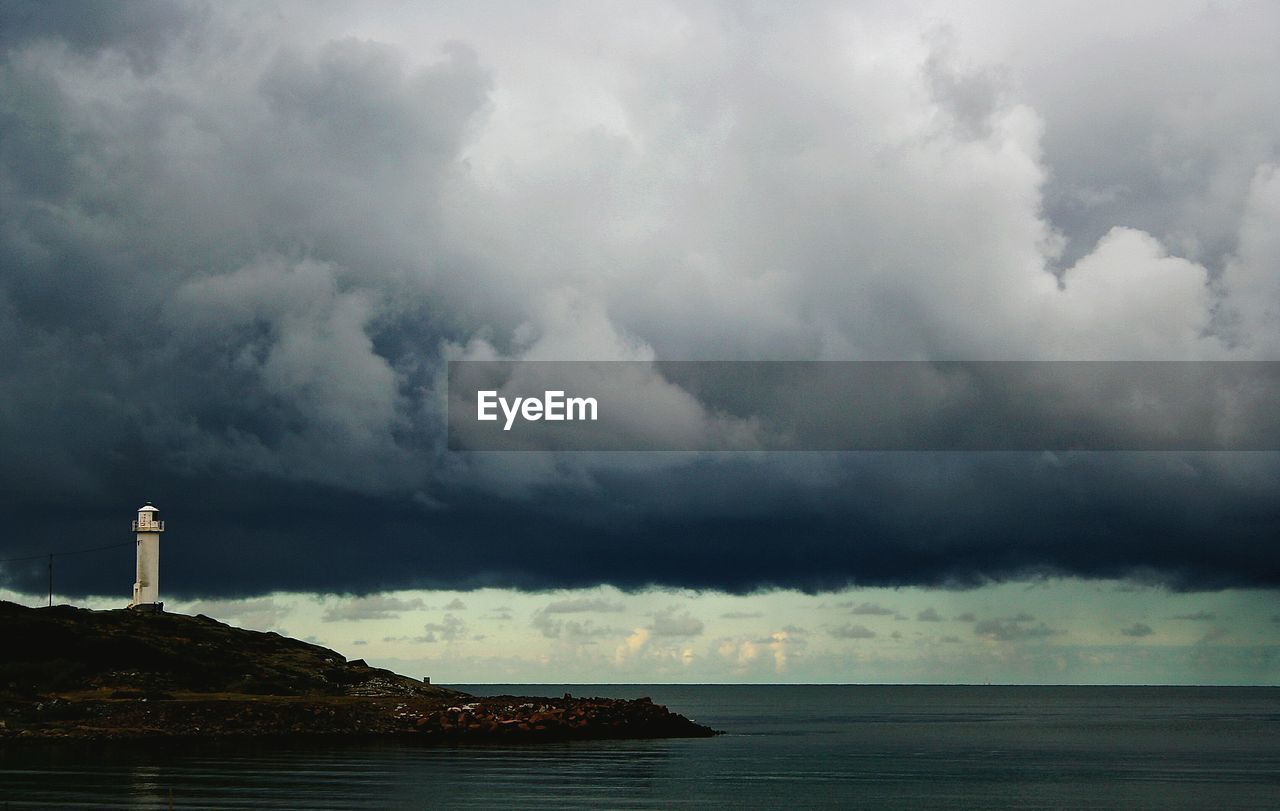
x: 239, y: 243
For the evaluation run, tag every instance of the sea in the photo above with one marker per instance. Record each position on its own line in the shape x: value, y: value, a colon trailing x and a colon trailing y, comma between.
x: 792, y: 746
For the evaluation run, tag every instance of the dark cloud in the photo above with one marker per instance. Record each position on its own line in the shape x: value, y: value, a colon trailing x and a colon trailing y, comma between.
x: 450, y: 629
x: 970, y: 95
x: 1015, y: 628
x: 741, y: 615
x: 967, y: 616
x: 852, y: 631
x: 670, y: 622
x: 869, y: 609
x: 262, y: 613
x: 1197, y: 616
x: 141, y: 30
x: 1144, y: 95
x: 572, y: 629
x: 585, y: 632
x: 375, y: 607
x: 587, y: 629
x: 581, y: 605
x: 546, y: 621
x: 1138, y: 629
x: 235, y: 298
x: 547, y: 625
x: 992, y: 519
x: 929, y: 615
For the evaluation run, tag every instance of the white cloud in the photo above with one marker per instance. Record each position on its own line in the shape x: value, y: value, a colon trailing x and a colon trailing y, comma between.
x: 1250, y: 277
x: 631, y: 646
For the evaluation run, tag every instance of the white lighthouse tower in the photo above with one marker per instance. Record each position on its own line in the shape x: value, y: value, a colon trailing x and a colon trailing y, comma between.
x: 146, y: 589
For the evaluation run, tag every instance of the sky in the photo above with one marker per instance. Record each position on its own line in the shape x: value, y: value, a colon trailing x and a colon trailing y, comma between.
x: 239, y: 243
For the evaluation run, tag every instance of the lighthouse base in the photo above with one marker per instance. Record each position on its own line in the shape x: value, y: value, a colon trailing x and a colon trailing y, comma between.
x: 147, y: 608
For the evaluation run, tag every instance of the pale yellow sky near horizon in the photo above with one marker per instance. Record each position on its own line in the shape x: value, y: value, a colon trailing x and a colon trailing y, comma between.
x: 1051, y: 630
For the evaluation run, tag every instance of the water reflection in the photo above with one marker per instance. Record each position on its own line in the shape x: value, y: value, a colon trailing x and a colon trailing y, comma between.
x: 883, y: 746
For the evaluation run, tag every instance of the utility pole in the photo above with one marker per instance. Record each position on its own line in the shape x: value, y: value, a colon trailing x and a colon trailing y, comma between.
x: 51, y: 580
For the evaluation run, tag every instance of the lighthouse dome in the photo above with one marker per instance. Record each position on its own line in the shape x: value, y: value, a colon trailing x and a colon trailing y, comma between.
x: 148, y: 509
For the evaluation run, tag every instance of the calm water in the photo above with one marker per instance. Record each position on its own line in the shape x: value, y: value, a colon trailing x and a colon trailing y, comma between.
x: 870, y: 747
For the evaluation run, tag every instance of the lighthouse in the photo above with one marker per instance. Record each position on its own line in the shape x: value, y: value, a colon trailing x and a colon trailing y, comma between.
x: 146, y: 589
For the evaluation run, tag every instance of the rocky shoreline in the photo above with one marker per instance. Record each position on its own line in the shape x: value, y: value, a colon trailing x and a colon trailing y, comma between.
x: 75, y: 674
x: 513, y: 718
x: 468, y: 720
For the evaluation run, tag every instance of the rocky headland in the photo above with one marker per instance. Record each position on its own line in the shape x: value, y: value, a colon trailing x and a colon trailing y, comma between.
x: 72, y: 673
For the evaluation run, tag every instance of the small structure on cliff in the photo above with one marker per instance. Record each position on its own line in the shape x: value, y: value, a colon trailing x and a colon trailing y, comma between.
x: 146, y: 588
